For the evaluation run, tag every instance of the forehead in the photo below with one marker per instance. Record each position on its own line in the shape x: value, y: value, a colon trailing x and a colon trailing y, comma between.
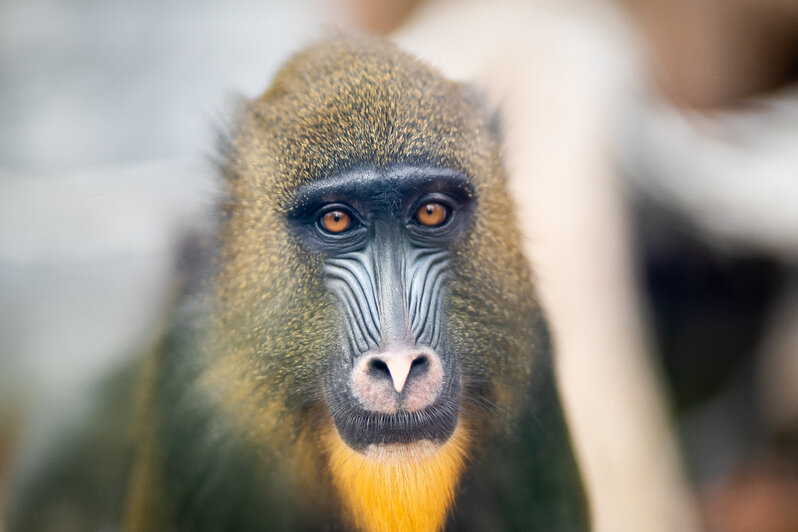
x: 349, y: 105
x: 344, y: 109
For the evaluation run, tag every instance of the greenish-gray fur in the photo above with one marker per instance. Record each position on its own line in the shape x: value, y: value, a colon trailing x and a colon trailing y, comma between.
x: 227, y: 435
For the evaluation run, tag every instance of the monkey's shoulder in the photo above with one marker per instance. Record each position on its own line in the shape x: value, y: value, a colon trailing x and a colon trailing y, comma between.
x: 526, y: 477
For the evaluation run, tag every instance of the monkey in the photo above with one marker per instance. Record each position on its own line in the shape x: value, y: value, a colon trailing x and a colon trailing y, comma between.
x: 360, y: 346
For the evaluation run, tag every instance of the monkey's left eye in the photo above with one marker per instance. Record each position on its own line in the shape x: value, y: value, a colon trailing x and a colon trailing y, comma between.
x: 432, y: 214
x: 335, y: 221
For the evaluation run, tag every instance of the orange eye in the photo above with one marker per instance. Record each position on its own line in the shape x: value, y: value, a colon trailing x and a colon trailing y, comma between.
x: 432, y: 214
x: 336, y: 221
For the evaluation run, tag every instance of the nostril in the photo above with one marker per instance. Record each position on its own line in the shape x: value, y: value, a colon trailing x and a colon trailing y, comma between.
x: 420, y: 364
x: 379, y: 369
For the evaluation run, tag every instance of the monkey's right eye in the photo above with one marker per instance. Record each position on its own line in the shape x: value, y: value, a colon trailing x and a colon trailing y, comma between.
x: 335, y: 221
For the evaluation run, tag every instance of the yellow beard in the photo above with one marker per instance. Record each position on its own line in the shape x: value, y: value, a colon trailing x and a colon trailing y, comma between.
x: 394, y: 487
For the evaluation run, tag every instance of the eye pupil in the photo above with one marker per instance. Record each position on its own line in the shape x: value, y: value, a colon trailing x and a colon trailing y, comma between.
x: 432, y: 214
x: 336, y: 221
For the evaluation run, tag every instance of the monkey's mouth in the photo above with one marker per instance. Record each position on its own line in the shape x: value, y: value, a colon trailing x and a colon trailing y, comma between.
x: 360, y: 428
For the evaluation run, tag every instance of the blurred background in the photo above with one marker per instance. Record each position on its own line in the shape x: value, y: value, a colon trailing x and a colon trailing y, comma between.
x: 108, y: 117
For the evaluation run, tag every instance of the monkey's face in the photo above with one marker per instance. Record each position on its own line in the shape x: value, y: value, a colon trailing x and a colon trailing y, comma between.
x: 371, y: 272
x: 386, y: 237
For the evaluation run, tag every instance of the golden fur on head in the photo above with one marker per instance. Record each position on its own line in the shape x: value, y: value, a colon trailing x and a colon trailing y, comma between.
x: 406, y: 487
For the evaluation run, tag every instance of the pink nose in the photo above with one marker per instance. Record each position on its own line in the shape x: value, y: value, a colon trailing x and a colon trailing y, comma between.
x: 406, y: 378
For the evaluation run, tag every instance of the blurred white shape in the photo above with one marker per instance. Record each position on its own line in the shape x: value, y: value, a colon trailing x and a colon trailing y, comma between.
x: 732, y: 173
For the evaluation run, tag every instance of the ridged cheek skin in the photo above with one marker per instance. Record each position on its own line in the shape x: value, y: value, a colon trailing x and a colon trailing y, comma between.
x: 350, y: 278
x: 397, y: 298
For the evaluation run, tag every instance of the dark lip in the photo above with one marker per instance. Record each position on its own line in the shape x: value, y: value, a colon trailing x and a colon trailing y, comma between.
x: 360, y: 428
